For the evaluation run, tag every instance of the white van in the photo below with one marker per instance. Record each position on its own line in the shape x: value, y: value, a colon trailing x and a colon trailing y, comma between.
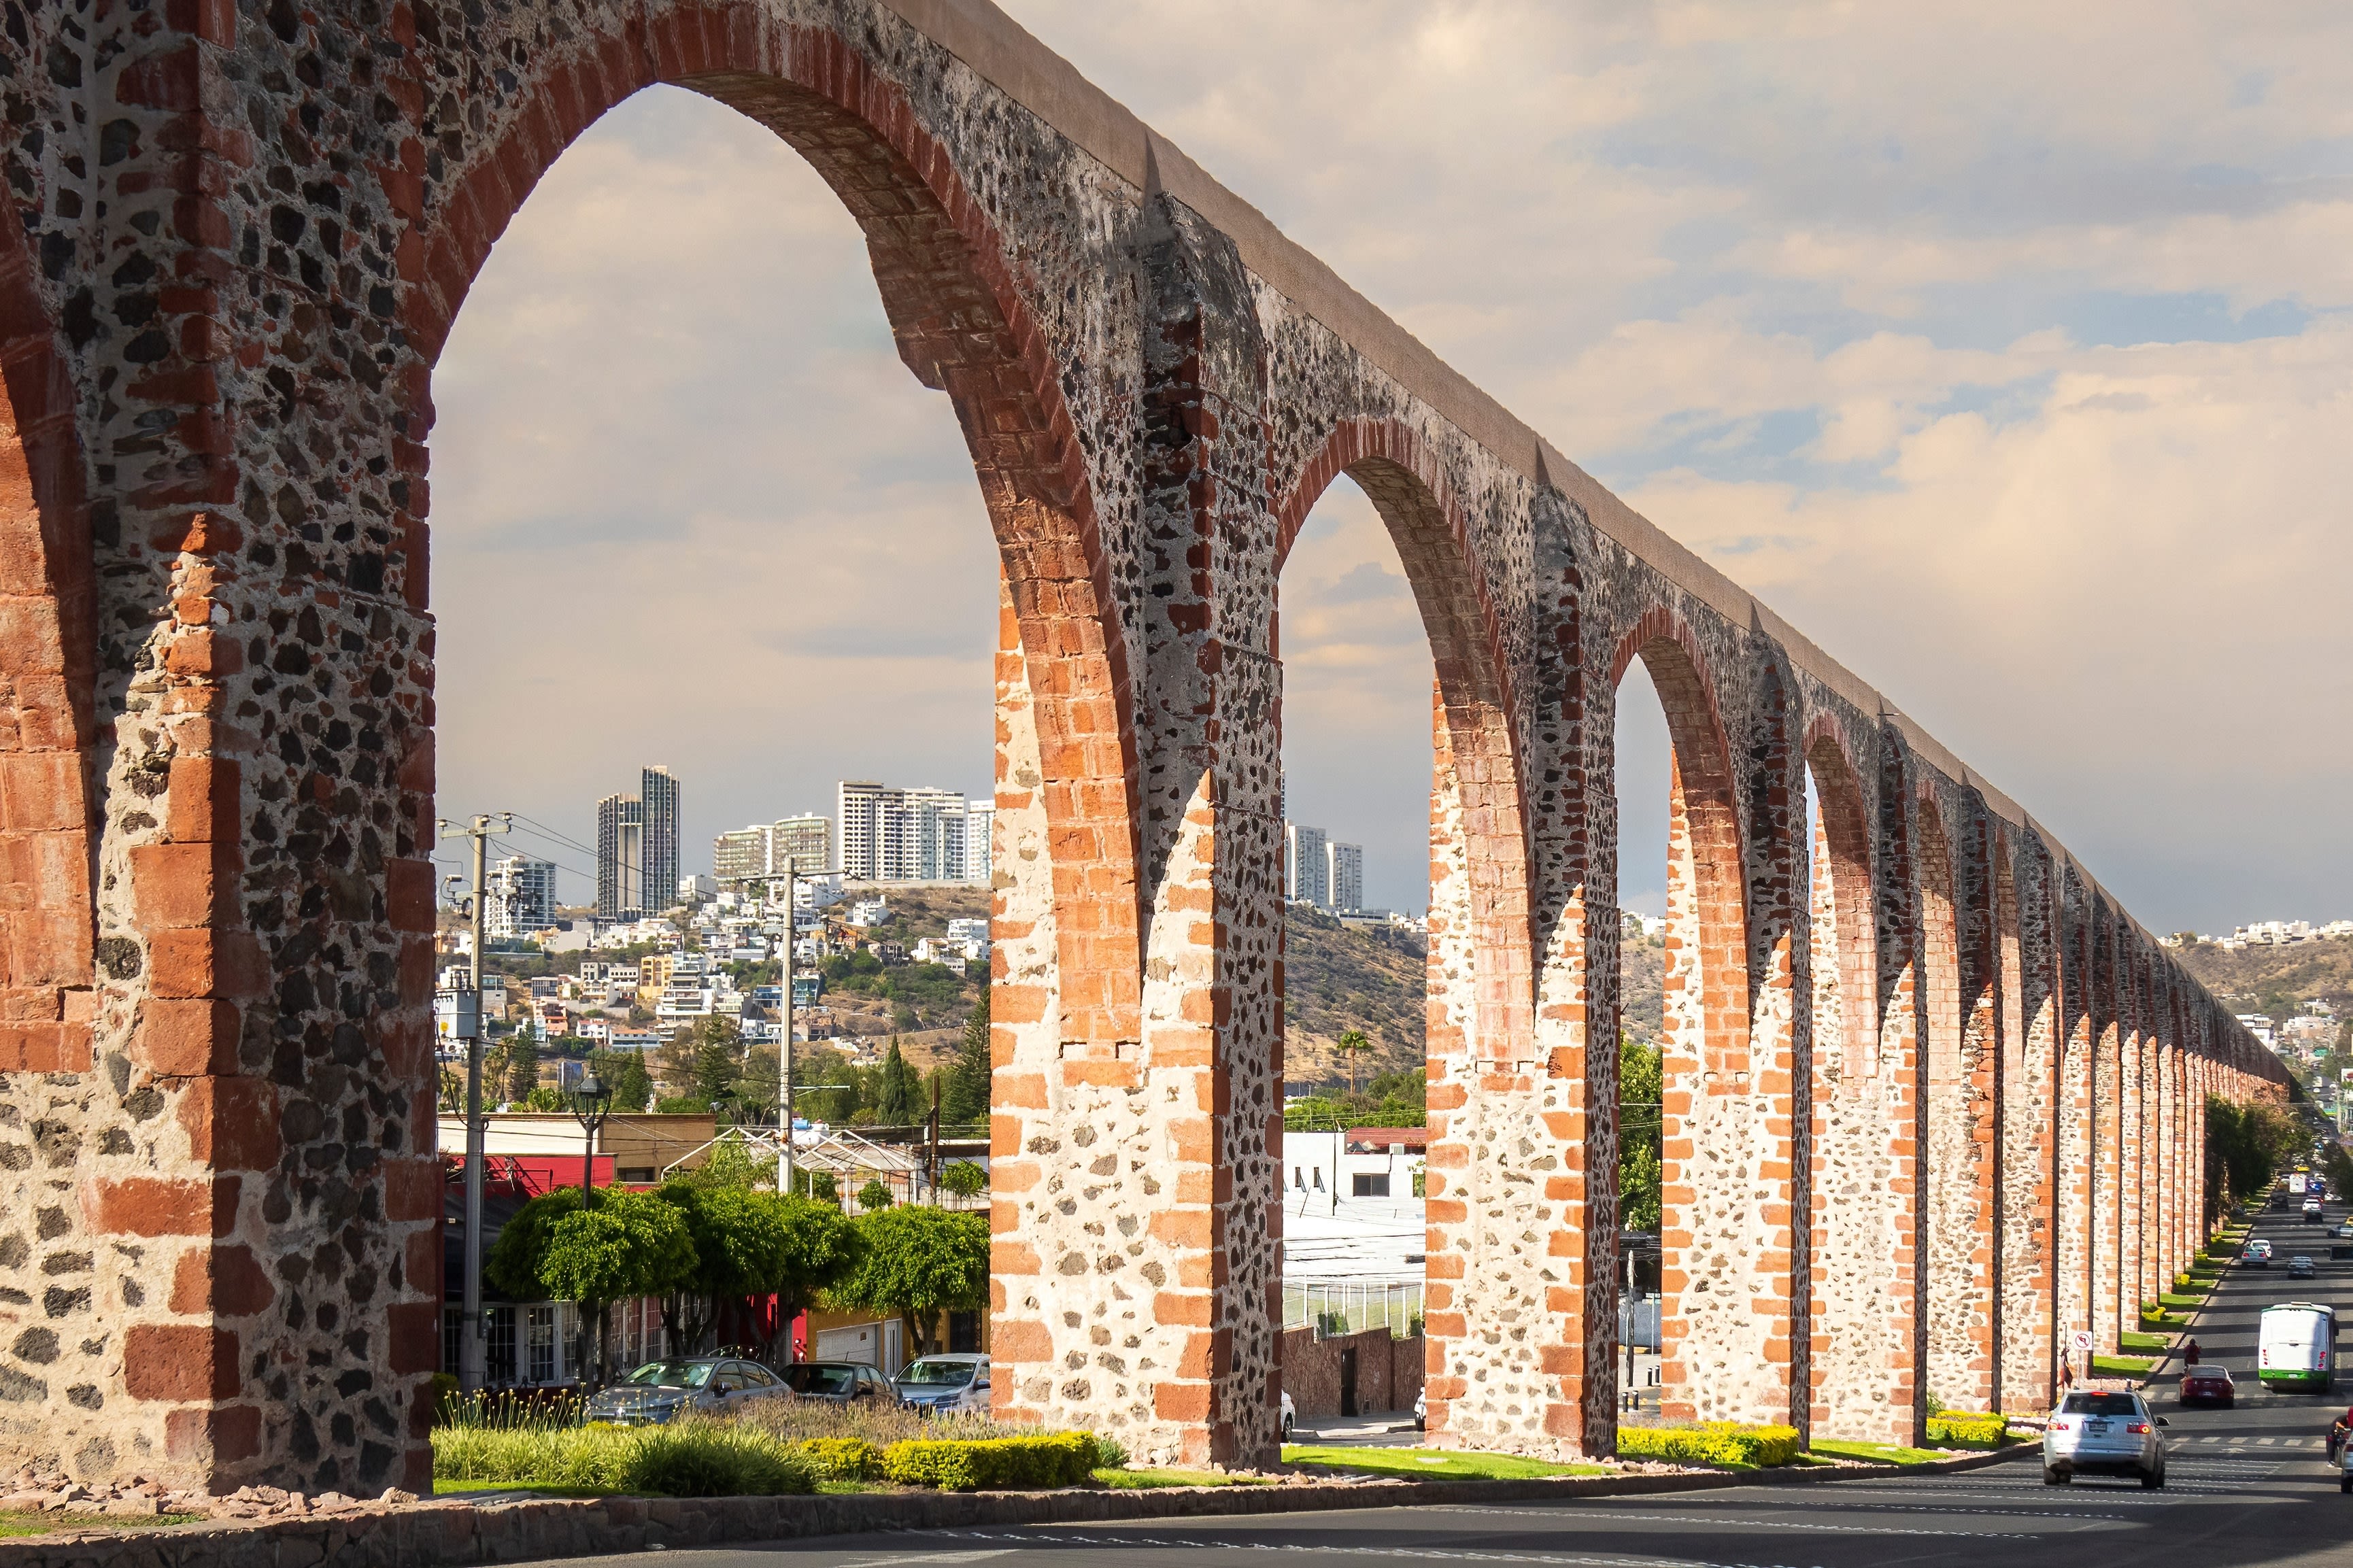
x: 2298, y: 1347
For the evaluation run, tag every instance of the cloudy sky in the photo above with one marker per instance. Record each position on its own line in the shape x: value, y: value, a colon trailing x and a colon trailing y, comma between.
x: 2006, y: 349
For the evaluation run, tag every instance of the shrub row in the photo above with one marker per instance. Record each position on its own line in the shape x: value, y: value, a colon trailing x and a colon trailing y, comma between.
x: 1715, y: 1443
x: 687, y: 1459
x: 1958, y: 1427
x: 1063, y: 1459
x: 843, y: 1458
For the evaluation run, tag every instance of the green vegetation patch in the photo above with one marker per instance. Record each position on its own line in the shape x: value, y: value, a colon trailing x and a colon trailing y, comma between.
x: 1967, y: 1430
x: 2133, y: 1341
x: 2121, y: 1366
x: 1061, y: 1459
x: 459, y: 1488
x: 1146, y: 1480
x: 1713, y: 1443
x: 1874, y: 1453
x: 692, y: 1458
x: 41, y: 1522
x: 1442, y: 1464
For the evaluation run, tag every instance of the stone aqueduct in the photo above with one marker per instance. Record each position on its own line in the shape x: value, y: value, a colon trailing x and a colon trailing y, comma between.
x: 1934, y: 1099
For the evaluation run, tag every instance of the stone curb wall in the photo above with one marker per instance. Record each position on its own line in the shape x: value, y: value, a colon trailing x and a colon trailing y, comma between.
x: 432, y: 1534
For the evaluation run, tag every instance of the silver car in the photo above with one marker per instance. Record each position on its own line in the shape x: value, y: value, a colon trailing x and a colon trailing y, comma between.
x: 661, y: 1391
x: 2102, y: 1432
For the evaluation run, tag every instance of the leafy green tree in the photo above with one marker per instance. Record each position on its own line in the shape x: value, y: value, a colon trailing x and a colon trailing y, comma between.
x: 2246, y: 1145
x: 514, y: 1258
x: 894, y: 1107
x: 919, y: 1262
x: 521, y: 1065
x: 964, y: 1091
x: 627, y: 1245
x: 874, y: 1194
x: 542, y: 1097
x: 1640, y: 1080
x: 964, y: 1178
x: 624, y: 1072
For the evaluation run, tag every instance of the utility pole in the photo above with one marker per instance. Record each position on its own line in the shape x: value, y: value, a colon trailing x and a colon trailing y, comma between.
x: 471, y: 1343
x: 785, y: 1046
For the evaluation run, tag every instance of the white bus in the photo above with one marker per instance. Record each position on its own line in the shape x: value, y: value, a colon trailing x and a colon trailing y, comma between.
x: 2298, y: 1348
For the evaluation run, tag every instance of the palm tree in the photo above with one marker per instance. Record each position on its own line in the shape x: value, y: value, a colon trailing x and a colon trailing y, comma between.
x: 1353, y: 1045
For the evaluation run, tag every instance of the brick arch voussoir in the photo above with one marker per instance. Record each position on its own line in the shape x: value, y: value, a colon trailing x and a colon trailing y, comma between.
x: 964, y: 326
x: 49, y: 655
x: 1431, y: 533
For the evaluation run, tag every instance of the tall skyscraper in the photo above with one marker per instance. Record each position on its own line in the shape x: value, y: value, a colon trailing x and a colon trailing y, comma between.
x: 979, y: 829
x: 1344, y: 880
x: 765, y: 850
x: 637, y: 848
x: 857, y: 808
x: 1306, y: 866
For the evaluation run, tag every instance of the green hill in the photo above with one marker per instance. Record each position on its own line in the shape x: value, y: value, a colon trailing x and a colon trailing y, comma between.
x: 2274, y: 980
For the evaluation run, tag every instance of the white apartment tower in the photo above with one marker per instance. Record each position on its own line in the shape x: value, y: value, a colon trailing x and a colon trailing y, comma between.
x: 1306, y: 865
x: 521, y: 897
x: 979, y: 830
x: 1345, y: 878
x: 893, y: 835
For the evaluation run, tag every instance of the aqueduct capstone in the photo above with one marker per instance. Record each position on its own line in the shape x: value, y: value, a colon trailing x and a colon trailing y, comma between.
x: 1932, y: 1098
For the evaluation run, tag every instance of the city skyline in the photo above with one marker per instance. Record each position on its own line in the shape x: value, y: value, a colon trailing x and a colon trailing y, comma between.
x: 1966, y: 356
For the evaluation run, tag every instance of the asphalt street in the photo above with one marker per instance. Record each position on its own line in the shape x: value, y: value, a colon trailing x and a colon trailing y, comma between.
x: 2248, y: 1485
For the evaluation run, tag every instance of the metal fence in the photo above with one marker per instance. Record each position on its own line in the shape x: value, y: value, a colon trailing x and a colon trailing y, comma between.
x: 1332, y: 1309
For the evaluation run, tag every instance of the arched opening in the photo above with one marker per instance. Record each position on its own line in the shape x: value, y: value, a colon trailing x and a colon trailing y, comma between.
x: 1959, y: 1213
x: 1063, y: 973
x: 1719, y: 1354
x: 1371, y: 848
x: 1476, y: 975
x: 47, y: 919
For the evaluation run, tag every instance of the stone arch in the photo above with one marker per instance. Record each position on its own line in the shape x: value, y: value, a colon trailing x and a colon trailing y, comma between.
x: 1479, y: 814
x: 965, y: 327
x: 1845, y: 946
x: 48, y: 663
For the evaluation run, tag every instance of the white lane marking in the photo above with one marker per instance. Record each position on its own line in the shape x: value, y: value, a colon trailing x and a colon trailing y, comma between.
x: 1571, y: 1507
x: 1549, y: 1560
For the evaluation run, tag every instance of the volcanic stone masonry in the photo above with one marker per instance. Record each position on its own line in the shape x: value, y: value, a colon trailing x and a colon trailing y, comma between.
x: 1931, y: 1097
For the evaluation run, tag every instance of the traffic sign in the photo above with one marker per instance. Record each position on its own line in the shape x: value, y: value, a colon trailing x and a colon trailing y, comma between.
x: 2083, y: 1340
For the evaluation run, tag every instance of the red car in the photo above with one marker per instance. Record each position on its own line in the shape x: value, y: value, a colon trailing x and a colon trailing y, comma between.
x: 2203, y: 1384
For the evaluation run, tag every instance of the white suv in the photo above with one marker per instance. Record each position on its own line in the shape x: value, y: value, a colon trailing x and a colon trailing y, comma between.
x: 2102, y: 1432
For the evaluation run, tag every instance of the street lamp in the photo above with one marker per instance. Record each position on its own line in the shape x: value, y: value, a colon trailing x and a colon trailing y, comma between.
x: 591, y: 1104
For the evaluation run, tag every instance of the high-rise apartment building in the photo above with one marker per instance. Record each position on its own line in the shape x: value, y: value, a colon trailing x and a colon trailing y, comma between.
x: 979, y: 829
x: 1345, y: 878
x: 637, y: 848
x: 890, y: 835
x: 1306, y: 865
x: 522, y: 896
x: 765, y: 850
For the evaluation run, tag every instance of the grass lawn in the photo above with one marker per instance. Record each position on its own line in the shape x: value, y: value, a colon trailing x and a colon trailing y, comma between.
x: 1878, y: 1453
x: 2120, y: 1365
x: 2133, y: 1341
x: 1139, y: 1481
x: 41, y: 1523
x: 2183, y: 1298
x: 454, y: 1489
x: 1448, y: 1465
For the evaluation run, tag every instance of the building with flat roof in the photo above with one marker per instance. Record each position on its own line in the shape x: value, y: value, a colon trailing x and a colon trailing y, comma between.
x: 637, y: 848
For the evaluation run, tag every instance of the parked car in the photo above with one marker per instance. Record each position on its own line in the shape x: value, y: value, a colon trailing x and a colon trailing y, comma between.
x: 2102, y: 1432
x: 944, y: 1385
x: 1290, y: 1415
x: 2300, y: 1267
x: 838, y: 1383
x: 1421, y: 1411
x: 661, y: 1391
x: 2207, y: 1383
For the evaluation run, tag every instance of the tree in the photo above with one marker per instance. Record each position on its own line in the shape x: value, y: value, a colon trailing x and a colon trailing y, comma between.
x: 627, y: 1245
x: 964, y: 1090
x: 919, y: 1262
x: 893, y: 1107
x: 965, y: 1179
x: 1641, y: 1079
x: 624, y: 1072
x: 1352, y: 1045
x: 874, y: 1194
x: 521, y: 1065
x: 2246, y: 1144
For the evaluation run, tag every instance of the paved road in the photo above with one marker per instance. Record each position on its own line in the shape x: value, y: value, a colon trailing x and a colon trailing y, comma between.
x: 2245, y: 1485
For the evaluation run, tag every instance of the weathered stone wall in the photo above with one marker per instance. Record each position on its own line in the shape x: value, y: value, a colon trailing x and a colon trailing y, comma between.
x: 238, y: 236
